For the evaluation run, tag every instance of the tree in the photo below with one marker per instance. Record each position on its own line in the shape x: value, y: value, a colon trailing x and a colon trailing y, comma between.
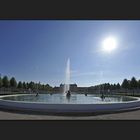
x: 125, y: 84
x: 111, y: 86
x: 0, y: 82
x: 48, y: 87
x: 39, y: 85
x: 27, y: 85
x: 118, y: 86
x: 32, y: 85
x: 138, y: 83
x: 24, y: 85
x: 20, y: 85
x: 105, y: 86
x: 5, y: 82
x: 13, y: 82
x: 42, y: 86
x: 114, y: 86
x: 108, y: 86
x: 133, y: 83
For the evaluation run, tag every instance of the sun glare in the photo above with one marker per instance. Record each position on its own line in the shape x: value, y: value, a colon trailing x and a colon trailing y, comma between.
x: 109, y: 44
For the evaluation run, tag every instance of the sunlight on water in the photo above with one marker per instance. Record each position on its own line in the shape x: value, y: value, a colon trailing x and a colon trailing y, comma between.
x: 75, y: 99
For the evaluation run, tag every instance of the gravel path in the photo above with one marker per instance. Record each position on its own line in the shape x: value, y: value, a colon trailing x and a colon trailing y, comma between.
x: 133, y: 115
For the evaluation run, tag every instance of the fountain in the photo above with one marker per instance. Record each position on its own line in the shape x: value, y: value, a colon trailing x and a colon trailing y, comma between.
x: 75, y: 103
x: 67, y: 80
x: 67, y: 77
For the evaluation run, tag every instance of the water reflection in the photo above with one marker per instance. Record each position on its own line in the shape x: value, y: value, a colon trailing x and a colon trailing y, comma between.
x: 68, y: 98
x: 73, y: 99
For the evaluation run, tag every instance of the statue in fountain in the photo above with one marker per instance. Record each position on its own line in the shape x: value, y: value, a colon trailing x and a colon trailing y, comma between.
x: 102, y: 96
x: 36, y: 94
x: 68, y: 93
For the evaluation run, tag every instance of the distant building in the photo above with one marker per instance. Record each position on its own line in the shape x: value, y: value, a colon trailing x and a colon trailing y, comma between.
x: 56, y: 89
x: 82, y: 89
x: 73, y: 87
x: 93, y: 89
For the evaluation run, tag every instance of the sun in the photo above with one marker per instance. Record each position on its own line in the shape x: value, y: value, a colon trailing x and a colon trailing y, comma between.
x: 109, y: 44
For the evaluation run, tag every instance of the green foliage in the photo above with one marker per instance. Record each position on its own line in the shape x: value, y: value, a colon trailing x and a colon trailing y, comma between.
x: 24, y: 85
x: 20, y: 85
x: 13, y: 82
x: 27, y: 85
x: 138, y: 83
x: 118, y: 86
x: 48, y: 87
x: 133, y: 83
x: 114, y: 86
x: 32, y: 85
x: 5, y: 82
x: 125, y: 84
x: 1, y: 82
x: 111, y: 87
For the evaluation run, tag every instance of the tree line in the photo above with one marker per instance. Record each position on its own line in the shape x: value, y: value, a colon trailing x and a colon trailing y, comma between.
x: 132, y: 84
x: 5, y: 82
x: 11, y: 83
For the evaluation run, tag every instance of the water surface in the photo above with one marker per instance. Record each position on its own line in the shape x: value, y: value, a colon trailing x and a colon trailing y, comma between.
x: 74, y: 99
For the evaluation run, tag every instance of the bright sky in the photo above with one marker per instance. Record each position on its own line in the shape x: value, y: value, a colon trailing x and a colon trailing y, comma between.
x: 37, y: 50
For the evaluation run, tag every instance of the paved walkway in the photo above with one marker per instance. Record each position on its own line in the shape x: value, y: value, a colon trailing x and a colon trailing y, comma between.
x: 133, y: 115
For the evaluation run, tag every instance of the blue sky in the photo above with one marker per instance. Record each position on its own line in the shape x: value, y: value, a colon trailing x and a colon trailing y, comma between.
x: 37, y: 50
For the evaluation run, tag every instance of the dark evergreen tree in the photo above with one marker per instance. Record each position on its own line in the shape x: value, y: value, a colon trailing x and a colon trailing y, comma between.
x: 20, y: 85
x: 118, y: 86
x: 105, y: 86
x: 24, y: 85
x: 138, y: 84
x: 5, y: 82
x: 114, y: 87
x: 133, y: 83
x: 32, y: 85
x: 48, y: 87
x: 27, y: 85
x: 13, y: 82
x: 108, y: 86
x: 125, y: 84
x: 0, y: 82
x: 111, y: 87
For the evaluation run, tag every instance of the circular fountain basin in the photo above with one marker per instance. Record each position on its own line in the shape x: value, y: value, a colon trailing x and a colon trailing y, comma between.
x: 77, y: 103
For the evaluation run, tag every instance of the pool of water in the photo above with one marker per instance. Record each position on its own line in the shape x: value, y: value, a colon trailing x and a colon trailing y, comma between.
x: 75, y: 98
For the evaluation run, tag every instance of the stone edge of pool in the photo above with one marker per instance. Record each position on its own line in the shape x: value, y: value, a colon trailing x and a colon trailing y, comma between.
x: 69, y: 108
